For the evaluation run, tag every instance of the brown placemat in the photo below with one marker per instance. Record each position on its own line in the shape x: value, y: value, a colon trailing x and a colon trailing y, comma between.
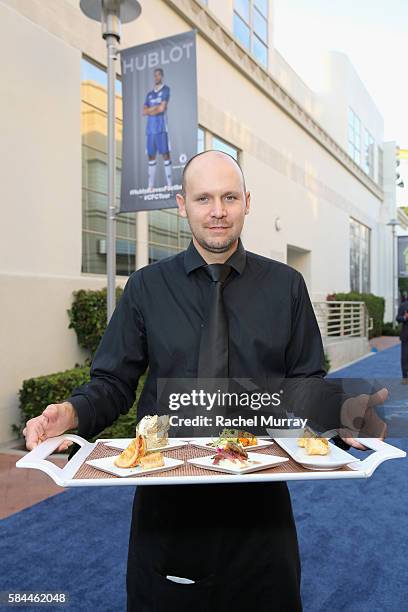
x: 190, y: 452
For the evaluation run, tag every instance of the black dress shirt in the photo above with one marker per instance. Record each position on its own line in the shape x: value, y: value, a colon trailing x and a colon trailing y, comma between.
x: 158, y: 322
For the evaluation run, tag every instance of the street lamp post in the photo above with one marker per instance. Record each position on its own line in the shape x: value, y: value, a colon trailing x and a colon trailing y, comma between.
x: 111, y: 13
x: 393, y: 224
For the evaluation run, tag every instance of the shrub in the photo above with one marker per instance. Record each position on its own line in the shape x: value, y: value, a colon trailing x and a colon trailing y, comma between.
x: 403, y: 285
x: 389, y: 330
x: 326, y: 362
x: 37, y: 393
x: 87, y: 316
x: 375, y: 306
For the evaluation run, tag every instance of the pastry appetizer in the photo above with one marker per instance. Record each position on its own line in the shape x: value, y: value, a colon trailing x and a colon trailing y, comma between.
x: 131, y: 456
x: 312, y: 443
x: 307, y: 433
x: 155, y: 429
x: 317, y: 446
x: 152, y: 460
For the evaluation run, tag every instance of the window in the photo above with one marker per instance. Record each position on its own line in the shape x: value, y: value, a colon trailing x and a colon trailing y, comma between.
x: 242, y: 7
x: 260, y: 25
x: 200, y: 140
x: 169, y: 233
x: 250, y: 24
x: 369, y: 154
x: 380, y: 174
x: 94, y: 177
x: 242, y: 31
x: 262, y: 6
x: 354, y: 137
x: 359, y: 257
x: 221, y: 145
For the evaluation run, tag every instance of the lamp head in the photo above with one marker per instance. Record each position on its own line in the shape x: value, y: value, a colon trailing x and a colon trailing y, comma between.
x: 111, y: 13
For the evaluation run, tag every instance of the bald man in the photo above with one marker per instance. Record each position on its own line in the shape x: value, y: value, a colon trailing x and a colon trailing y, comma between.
x: 202, y: 547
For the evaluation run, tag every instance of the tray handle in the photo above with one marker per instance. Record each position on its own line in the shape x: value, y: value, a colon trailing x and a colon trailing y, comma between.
x: 36, y: 458
x: 383, y: 451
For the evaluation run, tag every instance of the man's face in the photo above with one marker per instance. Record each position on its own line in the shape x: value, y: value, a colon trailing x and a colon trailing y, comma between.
x: 215, y: 202
x: 157, y: 77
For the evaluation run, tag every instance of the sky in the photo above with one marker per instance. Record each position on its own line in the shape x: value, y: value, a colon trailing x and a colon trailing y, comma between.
x: 372, y: 33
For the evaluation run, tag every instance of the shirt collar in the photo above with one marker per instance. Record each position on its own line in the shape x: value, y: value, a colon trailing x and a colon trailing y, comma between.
x: 193, y: 259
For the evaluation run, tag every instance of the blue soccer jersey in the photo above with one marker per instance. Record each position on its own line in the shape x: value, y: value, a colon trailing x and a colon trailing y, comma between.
x: 157, y: 123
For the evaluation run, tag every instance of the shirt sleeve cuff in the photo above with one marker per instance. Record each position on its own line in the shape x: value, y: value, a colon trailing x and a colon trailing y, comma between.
x: 340, y: 443
x: 84, y: 411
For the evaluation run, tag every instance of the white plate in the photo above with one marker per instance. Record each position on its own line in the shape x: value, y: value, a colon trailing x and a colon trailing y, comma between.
x: 335, y: 459
x: 123, y: 443
x: 106, y: 464
x: 202, y: 443
x: 263, y: 462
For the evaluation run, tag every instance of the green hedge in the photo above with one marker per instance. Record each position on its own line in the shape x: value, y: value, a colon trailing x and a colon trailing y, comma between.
x: 37, y: 393
x: 403, y: 285
x: 327, y: 363
x: 375, y: 306
x: 389, y: 330
x: 87, y: 316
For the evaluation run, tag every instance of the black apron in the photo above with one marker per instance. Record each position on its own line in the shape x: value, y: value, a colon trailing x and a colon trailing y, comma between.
x: 237, y: 542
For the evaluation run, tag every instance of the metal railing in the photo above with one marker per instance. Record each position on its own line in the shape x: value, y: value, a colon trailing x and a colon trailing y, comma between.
x: 343, y: 319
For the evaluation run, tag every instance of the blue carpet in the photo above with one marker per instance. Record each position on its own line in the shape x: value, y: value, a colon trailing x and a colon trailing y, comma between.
x: 352, y: 537
x: 74, y: 542
x: 384, y: 364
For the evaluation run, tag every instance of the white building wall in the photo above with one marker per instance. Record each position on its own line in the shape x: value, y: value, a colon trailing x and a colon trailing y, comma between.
x: 341, y: 88
x: 223, y: 11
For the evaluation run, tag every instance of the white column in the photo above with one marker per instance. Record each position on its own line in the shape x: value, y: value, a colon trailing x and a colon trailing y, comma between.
x: 142, y: 239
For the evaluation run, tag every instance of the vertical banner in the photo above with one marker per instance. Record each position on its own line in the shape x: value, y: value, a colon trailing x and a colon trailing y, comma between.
x: 159, y: 85
x: 402, y: 256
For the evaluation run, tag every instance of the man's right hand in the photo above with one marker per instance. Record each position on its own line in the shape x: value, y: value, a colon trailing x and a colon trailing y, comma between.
x: 55, y: 420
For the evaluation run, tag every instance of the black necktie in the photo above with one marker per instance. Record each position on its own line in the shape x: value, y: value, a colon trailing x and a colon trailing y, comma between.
x: 213, y: 356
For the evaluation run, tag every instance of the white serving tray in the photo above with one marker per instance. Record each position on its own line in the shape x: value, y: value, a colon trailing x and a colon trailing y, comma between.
x: 64, y: 477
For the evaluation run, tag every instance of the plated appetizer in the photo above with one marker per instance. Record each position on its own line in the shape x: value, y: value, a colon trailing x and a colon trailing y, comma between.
x: 155, y: 429
x: 313, y: 444
x: 152, y: 460
x: 232, y: 454
x: 137, y: 454
x: 234, y: 435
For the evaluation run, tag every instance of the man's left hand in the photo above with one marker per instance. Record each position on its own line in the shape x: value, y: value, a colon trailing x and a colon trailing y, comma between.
x: 358, y: 413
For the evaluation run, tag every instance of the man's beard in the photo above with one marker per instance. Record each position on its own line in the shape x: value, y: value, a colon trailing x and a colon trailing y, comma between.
x: 222, y: 248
